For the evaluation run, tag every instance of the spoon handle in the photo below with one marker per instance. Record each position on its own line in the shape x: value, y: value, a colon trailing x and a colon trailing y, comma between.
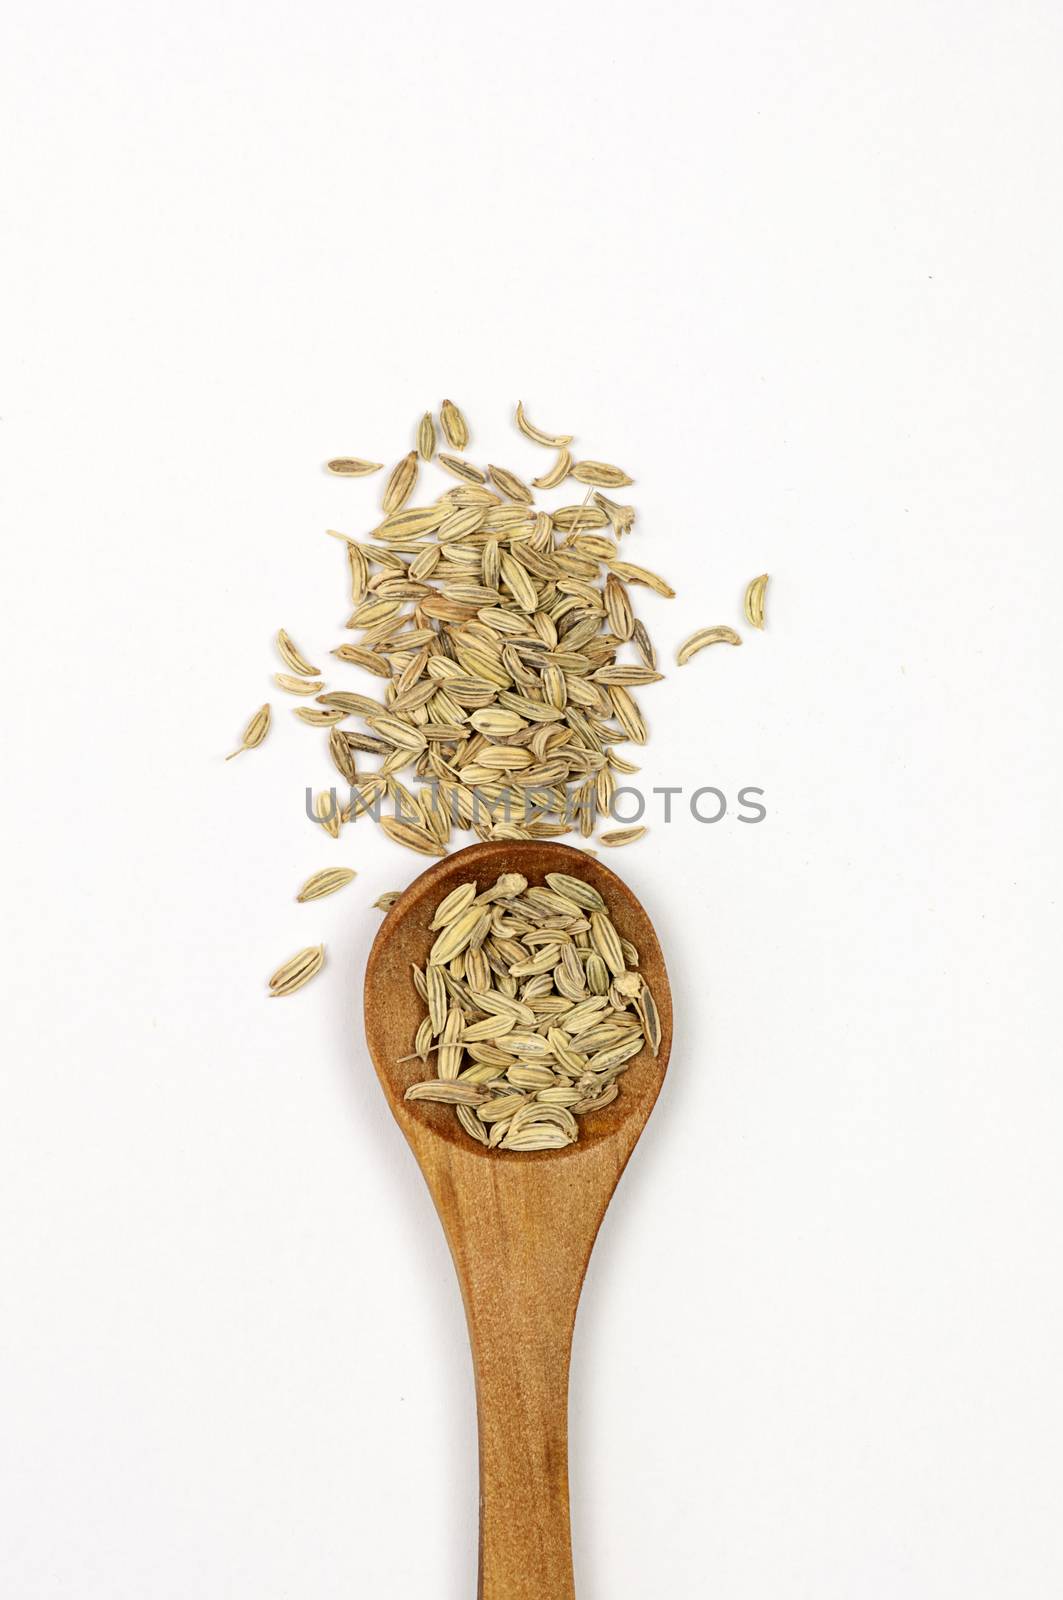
x: 521, y: 1243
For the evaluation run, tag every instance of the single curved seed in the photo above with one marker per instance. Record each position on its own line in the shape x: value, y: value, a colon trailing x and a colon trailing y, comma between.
x: 342, y: 755
x: 460, y: 523
x: 651, y: 1022
x: 755, y: 600
x: 452, y: 906
x: 353, y: 467
x: 575, y: 889
x: 327, y: 812
x: 511, y: 486
x: 621, y: 836
x: 322, y: 718
x: 628, y: 572
x: 410, y: 524
x: 436, y: 998
x: 606, y: 942
x: 471, y: 1123
x: 618, y: 610
x: 496, y: 723
x: 401, y: 734
x: 601, y: 474
x: 292, y: 685
x: 413, y: 837
x: 323, y: 883
x: 645, y: 645
x: 299, y: 970
x: 461, y: 469
x: 448, y: 1094
x: 455, y: 427
x: 628, y: 676
x: 292, y: 657
x: 705, y: 636
x: 557, y: 440
x: 254, y: 733
x: 628, y: 714
x: 400, y: 483
x: 537, y: 1136
x: 426, y: 437
x: 571, y: 519
x: 385, y: 901
x: 557, y: 473
x: 363, y: 658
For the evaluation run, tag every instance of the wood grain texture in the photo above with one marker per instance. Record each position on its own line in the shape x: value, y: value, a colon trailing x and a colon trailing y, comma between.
x: 520, y: 1225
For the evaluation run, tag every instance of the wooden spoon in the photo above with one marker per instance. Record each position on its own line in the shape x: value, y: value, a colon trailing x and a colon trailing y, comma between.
x: 520, y: 1225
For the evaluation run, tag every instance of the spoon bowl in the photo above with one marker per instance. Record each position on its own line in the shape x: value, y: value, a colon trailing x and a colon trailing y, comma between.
x: 520, y: 1224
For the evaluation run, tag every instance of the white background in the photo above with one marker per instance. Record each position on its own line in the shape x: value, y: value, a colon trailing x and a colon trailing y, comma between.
x: 798, y: 267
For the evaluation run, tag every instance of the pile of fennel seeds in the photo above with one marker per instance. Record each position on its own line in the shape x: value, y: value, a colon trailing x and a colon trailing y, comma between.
x: 535, y: 1007
x: 492, y: 631
x: 496, y: 629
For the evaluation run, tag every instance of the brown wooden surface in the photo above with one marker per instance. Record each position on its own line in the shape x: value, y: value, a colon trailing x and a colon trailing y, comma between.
x: 521, y: 1225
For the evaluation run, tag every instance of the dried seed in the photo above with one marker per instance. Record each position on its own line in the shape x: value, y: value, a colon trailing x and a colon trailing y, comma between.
x: 254, y: 733
x: 353, y: 467
x: 496, y: 723
x: 627, y: 713
x: 461, y: 469
x: 400, y: 483
x: 426, y: 437
x: 574, y: 889
x: 297, y: 685
x: 397, y: 732
x: 601, y: 474
x: 356, y: 704
x: 573, y: 519
x: 455, y: 428
x: 705, y: 636
x: 385, y: 901
x: 556, y: 440
x: 411, y: 522
x: 621, y: 518
x: 511, y: 486
x: 606, y: 942
x: 460, y: 523
x: 529, y: 1077
x: 447, y: 1094
x: 413, y: 837
x: 436, y: 999
x: 651, y: 1021
x: 644, y: 645
x: 342, y: 755
x: 327, y: 812
x: 630, y: 573
x: 325, y: 717
x: 557, y: 474
x: 537, y: 1136
x: 453, y: 905
x: 621, y: 836
x: 361, y: 657
x: 456, y: 934
x: 755, y: 600
x: 327, y: 882
x: 471, y: 1123
x: 451, y: 1048
x: 618, y: 611
x: 294, y: 658
x: 627, y: 677
x: 299, y: 970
